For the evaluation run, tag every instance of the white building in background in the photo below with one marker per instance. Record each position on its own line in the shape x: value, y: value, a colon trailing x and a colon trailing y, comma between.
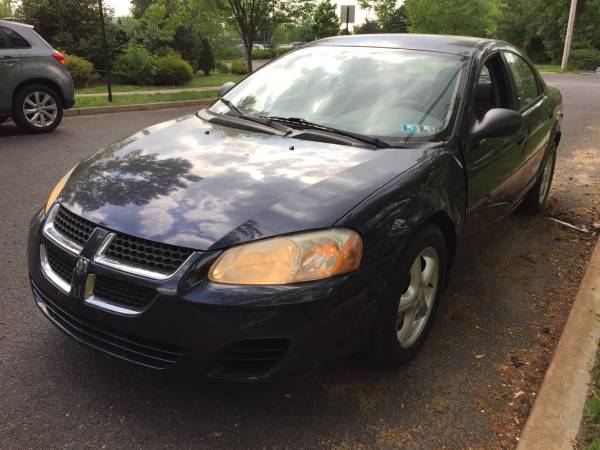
x: 349, y: 8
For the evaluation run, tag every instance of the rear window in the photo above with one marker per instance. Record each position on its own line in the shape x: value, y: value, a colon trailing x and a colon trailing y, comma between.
x: 12, y: 39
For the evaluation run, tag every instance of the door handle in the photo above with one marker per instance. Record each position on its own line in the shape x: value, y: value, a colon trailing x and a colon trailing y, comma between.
x: 9, y: 60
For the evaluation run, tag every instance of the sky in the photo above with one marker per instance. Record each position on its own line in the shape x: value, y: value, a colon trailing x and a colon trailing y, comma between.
x: 121, y: 7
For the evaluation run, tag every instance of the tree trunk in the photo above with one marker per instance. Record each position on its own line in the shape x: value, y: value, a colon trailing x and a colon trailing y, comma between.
x: 248, y: 44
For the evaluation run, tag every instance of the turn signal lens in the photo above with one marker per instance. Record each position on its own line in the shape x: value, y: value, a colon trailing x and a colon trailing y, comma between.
x: 57, y: 190
x: 290, y: 259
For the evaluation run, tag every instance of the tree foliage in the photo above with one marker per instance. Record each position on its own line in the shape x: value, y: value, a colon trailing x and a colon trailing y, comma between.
x: 206, y: 61
x: 325, y: 21
x: 458, y: 17
x: 391, y: 18
x: 5, y: 8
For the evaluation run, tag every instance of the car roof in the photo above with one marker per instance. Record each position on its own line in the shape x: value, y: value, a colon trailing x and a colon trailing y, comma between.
x: 10, y: 23
x: 456, y: 45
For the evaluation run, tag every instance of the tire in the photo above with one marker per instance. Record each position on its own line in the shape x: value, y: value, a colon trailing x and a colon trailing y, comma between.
x: 536, y: 197
x: 45, y: 105
x: 394, y: 341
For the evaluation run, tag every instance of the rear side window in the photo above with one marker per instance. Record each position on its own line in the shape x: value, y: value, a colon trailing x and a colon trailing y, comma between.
x: 1, y: 40
x: 12, y: 39
x: 526, y: 82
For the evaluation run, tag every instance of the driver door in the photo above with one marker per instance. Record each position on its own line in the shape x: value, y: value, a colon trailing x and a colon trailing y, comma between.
x: 492, y: 164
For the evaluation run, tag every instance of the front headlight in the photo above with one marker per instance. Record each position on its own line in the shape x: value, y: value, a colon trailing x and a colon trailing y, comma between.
x: 290, y: 259
x: 57, y: 190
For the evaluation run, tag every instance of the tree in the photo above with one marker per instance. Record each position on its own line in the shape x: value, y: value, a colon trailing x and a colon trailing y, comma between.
x: 206, y: 61
x: 5, y: 8
x: 469, y: 18
x: 391, y: 18
x: 325, y: 21
x: 64, y: 23
x: 248, y: 17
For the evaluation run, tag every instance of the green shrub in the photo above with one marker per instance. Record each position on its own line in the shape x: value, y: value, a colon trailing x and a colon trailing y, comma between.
x: 135, y: 66
x: 82, y: 70
x: 269, y: 53
x: 172, y: 69
x: 222, y: 67
x: 206, y: 62
x: 262, y: 53
x: 239, y: 67
x: 281, y: 51
x: 585, y: 59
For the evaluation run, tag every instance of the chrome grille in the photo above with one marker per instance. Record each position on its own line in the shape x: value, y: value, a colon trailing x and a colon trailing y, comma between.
x: 60, y: 263
x: 72, y: 226
x: 164, y: 259
x: 121, y: 293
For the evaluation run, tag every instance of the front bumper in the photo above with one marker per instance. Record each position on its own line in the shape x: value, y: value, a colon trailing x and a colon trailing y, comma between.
x: 247, y: 333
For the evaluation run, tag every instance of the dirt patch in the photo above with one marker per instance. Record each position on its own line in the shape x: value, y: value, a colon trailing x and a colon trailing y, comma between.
x: 522, y: 368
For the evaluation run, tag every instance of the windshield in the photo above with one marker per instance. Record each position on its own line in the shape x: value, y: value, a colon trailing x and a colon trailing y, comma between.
x: 388, y: 93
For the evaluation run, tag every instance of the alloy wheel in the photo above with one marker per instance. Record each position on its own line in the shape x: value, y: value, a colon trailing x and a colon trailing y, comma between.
x: 546, y: 177
x: 40, y: 109
x: 417, y: 301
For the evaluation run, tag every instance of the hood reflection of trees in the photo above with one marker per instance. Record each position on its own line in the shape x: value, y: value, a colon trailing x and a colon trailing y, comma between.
x: 134, y: 178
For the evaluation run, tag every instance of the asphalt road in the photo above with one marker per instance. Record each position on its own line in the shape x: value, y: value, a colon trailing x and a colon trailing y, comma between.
x: 471, y: 386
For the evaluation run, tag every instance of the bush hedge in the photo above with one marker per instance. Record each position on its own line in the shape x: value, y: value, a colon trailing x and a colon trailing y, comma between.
x: 585, y: 59
x: 239, y: 67
x: 172, y: 69
x: 135, y: 65
x: 269, y: 53
x: 82, y: 70
x: 222, y: 67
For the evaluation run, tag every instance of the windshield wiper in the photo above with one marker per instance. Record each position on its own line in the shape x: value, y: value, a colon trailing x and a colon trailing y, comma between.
x: 256, y: 119
x: 305, y: 124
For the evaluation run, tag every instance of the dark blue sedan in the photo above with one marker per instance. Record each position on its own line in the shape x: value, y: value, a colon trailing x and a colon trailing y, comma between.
x: 313, y: 210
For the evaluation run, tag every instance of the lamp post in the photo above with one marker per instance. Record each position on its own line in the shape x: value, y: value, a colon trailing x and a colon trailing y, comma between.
x: 104, y: 51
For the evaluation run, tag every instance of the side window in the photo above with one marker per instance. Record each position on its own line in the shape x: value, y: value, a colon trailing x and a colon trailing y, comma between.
x: 1, y: 40
x: 12, y: 39
x: 525, y: 80
x: 491, y: 90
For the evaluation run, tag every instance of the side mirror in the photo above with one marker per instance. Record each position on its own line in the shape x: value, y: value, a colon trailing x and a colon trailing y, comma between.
x: 497, y: 122
x: 226, y: 88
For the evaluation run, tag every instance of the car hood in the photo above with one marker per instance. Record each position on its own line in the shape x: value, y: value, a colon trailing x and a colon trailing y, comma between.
x: 191, y: 183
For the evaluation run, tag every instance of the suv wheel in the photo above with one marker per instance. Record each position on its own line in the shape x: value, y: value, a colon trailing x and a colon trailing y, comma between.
x: 37, y: 108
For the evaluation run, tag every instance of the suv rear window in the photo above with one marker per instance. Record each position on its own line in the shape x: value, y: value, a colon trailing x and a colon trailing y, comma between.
x: 12, y: 39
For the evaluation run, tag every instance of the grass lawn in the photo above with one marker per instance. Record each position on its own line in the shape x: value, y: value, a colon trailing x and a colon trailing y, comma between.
x: 136, y: 99
x: 215, y: 79
x: 554, y: 68
x: 592, y: 410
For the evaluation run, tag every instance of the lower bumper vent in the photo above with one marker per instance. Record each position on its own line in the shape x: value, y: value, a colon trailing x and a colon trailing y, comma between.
x: 249, y: 358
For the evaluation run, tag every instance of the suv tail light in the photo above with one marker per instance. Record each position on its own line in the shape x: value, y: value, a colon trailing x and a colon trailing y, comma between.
x: 60, y: 58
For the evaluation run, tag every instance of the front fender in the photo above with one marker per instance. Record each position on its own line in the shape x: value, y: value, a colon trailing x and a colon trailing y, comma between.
x: 434, y: 190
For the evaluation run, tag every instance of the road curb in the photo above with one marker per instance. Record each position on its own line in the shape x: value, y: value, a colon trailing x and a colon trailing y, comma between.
x: 137, y: 107
x: 556, y: 415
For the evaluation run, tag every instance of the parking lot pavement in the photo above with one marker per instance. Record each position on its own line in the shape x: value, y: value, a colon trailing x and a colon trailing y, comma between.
x: 471, y: 386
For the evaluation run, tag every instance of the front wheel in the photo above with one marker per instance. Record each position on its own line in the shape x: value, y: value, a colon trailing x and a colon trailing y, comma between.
x: 409, y: 302
x: 537, y: 195
x: 37, y: 108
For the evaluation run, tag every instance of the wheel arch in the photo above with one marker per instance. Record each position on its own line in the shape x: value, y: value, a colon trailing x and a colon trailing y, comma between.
x: 442, y: 220
x: 42, y: 81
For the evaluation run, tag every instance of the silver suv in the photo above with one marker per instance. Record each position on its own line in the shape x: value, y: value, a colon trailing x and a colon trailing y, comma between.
x: 35, y: 83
